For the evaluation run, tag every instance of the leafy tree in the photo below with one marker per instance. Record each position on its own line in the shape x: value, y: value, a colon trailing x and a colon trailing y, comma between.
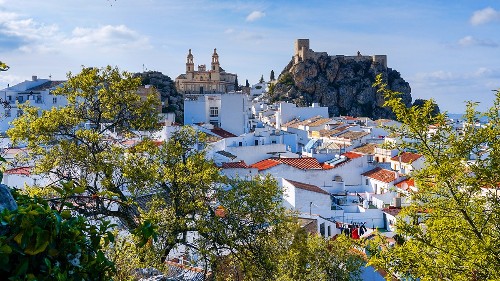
x: 247, y: 84
x: 452, y: 223
x: 43, y: 244
x: 421, y: 102
x: 311, y: 257
x: 74, y: 143
x: 261, y: 80
x: 271, y: 77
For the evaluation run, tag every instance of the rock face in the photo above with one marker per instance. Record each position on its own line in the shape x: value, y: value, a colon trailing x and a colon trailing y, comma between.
x: 6, y: 199
x: 6, y: 202
x: 172, y: 100
x: 343, y: 84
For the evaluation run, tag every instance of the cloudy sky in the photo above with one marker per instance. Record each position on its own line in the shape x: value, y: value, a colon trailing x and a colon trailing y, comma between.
x: 447, y: 50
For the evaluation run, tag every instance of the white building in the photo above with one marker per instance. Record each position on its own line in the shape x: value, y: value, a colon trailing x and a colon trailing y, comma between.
x: 38, y: 92
x: 229, y: 111
x: 289, y: 111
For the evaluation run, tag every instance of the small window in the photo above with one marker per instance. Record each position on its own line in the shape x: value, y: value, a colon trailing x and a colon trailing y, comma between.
x: 19, y: 112
x: 214, y: 111
x: 329, y: 230
x: 240, y: 143
x: 20, y: 99
x: 54, y: 100
x: 256, y: 142
x: 7, y: 113
x: 366, y: 182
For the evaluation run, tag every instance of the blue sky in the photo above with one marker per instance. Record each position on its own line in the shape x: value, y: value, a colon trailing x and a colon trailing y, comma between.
x: 446, y: 50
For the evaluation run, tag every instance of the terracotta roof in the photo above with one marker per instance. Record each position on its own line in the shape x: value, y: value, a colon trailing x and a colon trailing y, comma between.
x: 291, y: 123
x: 304, y: 163
x: 319, y: 122
x: 25, y: 171
x: 368, y: 148
x: 407, y: 157
x: 352, y: 155
x: 308, y: 187
x: 265, y: 164
x: 353, y: 135
x: 380, y: 174
x: 393, y: 211
x: 222, y: 133
x: 406, y: 184
x: 235, y: 165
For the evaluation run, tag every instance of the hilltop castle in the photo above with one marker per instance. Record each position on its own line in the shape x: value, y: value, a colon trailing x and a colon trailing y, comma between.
x: 303, y: 52
x: 215, y: 80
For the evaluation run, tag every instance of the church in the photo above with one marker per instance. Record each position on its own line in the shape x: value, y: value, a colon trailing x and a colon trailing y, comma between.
x: 202, y: 81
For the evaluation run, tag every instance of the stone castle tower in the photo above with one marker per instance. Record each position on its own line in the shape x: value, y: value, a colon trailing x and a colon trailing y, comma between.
x: 303, y: 52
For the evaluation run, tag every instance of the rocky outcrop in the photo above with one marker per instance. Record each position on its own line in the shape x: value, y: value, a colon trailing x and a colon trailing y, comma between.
x: 343, y: 84
x: 172, y: 100
x: 6, y: 202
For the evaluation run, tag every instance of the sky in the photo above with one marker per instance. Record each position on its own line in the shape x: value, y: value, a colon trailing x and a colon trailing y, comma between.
x: 446, y: 50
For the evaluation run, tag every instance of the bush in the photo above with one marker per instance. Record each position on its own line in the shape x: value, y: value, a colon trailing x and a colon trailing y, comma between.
x: 42, y: 244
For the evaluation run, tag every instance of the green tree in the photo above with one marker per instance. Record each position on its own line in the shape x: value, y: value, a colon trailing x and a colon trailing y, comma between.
x: 452, y: 223
x: 271, y: 77
x: 42, y: 244
x: 311, y: 257
x: 247, y: 84
x: 261, y: 80
x: 74, y: 143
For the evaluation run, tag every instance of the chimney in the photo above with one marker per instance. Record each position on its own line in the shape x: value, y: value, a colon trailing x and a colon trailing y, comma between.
x: 396, y: 202
x: 34, y: 78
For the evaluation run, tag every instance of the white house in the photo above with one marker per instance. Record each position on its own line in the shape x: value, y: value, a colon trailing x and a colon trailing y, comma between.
x: 406, y: 162
x: 230, y: 111
x: 380, y: 180
x: 288, y: 111
x: 305, y: 198
x: 38, y: 92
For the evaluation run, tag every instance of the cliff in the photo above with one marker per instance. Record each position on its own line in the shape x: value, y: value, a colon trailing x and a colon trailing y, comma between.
x: 172, y: 100
x: 343, y: 84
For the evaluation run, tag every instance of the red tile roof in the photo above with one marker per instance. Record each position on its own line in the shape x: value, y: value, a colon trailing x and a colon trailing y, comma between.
x: 25, y: 171
x: 407, y: 157
x: 380, y: 174
x: 235, y: 165
x: 265, y: 164
x: 352, y: 155
x: 304, y: 163
x: 393, y: 211
x: 308, y: 187
x: 406, y: 184
x: 222, y: 133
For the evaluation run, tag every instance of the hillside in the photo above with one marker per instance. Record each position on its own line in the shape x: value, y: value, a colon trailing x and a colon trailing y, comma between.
x: 173, y: 101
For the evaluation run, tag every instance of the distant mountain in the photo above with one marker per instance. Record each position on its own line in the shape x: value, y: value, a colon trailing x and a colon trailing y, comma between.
x: 342, y: 83
x: 173, y: 101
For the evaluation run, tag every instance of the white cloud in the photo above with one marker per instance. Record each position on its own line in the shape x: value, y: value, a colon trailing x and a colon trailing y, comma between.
x: 229, y: 31
x: 471, y: 41
x: 107, y: 36
x: 484, y: 16
x: 26, y: 29
x: 255, y: 15
x: 436, y: 75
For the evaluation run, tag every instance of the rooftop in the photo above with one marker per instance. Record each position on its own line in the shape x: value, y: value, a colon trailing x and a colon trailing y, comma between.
x: 382, y: 175
x: 406, y: 157
x: 308, y: 187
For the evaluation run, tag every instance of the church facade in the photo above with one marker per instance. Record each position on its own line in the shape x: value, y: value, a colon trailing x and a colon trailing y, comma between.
x: 201, y: 81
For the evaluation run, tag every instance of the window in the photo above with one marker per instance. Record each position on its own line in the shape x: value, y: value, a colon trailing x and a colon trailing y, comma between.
x: 7, y: 113
x: 329, y: 231
x: 38, y: 99
x: 240, y: 143
x: 20, y: 99
x: 256, y: 142
x: 19, y: 112
x: 54, y: 100
x: 214, y: 111
x: 366, y: 182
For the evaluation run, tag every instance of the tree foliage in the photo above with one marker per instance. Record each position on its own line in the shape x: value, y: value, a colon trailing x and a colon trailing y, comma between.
x: 43, y: 244
x: 452, y: 223
x: 74, y: 143
x: 271, y: 76
x: 3, y: 66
